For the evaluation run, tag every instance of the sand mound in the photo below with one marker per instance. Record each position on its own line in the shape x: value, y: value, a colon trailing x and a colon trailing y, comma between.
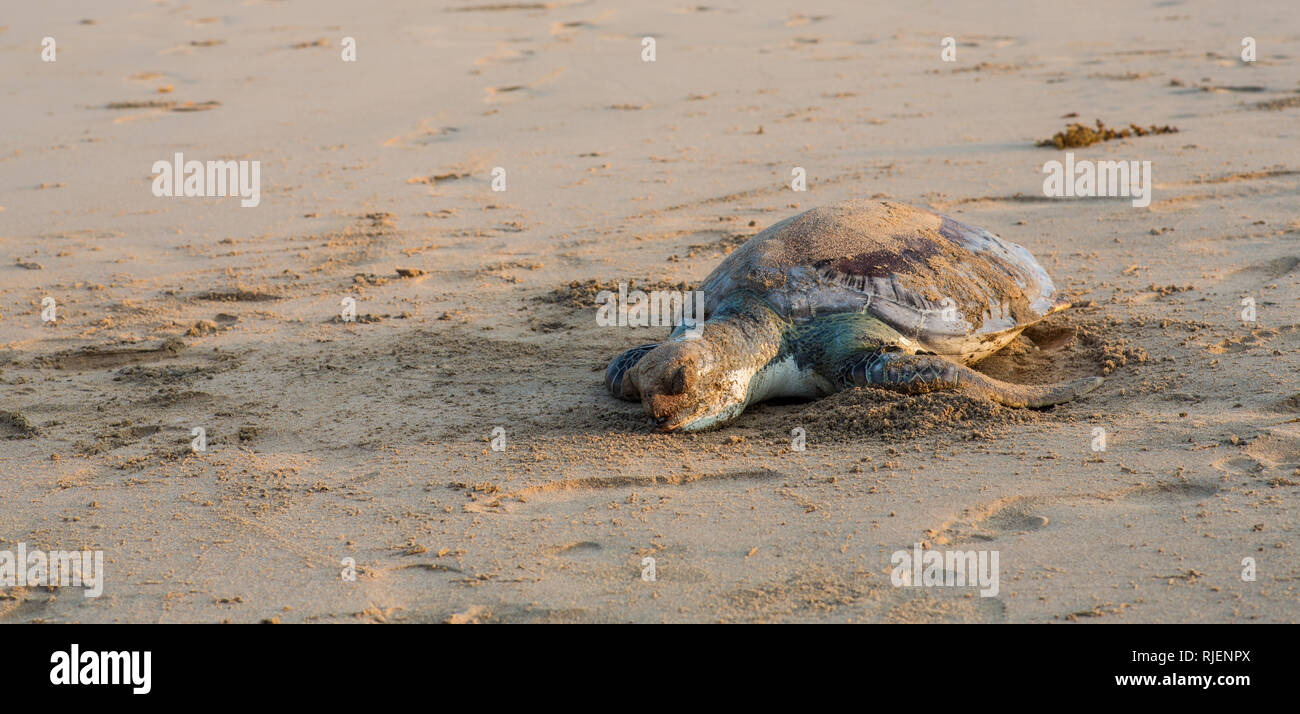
x: 870, y: 410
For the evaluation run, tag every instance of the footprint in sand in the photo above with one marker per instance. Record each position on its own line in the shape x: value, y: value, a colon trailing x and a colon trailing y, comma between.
x: 579, y: 488
x: 1255, y: 338
x: 23, y: 605
x: 505, y: 54
x: 513, y: 92
x: 1275, y: 268
x: 426, y: 133
x: 825, y: 596
x: 1273, y: 457
x: 1008, y: 516
x: 577, y: 550
x: 1022, y: 515
x: 1287, y: 405
x: 92, y: 358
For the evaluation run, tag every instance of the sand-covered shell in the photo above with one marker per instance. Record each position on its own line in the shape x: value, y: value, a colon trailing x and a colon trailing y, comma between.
x: 953, y: 289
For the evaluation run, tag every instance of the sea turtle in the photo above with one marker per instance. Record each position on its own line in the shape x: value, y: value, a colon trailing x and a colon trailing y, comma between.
x: 856, y: 293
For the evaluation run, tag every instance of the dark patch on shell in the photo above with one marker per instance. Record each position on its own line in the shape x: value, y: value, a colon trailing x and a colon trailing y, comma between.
x: 879, y: 263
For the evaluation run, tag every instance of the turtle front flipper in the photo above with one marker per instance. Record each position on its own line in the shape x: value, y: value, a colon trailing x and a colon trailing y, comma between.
x: 923, y: 373
x: 618, y: 369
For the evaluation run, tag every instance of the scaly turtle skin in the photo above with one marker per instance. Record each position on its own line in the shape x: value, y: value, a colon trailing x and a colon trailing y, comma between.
x: 851, y: 294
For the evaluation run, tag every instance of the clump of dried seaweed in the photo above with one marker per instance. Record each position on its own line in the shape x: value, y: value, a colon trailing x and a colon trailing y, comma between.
x: 1077, y: 135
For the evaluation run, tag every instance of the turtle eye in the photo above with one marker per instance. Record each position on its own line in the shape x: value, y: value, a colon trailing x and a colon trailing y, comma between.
x: 678, y: 383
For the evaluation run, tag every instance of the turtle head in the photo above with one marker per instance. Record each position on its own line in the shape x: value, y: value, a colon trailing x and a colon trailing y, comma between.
x: 685, y: 385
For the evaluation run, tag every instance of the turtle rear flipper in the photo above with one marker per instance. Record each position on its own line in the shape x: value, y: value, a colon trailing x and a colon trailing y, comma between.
x: 1061, y: 304
x: 923, y: 373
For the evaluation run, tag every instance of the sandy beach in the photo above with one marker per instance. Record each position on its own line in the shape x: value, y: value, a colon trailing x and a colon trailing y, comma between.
x: 482, y: 170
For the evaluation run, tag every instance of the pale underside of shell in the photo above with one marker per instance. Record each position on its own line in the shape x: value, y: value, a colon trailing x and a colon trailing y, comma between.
x: 953, y: 289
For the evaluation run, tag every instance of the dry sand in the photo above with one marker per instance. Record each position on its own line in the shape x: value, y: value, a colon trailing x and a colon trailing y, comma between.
x: 370, y: 440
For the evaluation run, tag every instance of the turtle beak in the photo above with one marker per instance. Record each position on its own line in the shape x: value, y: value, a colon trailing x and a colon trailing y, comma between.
x: 661, y: 409
x: 666, y: 424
